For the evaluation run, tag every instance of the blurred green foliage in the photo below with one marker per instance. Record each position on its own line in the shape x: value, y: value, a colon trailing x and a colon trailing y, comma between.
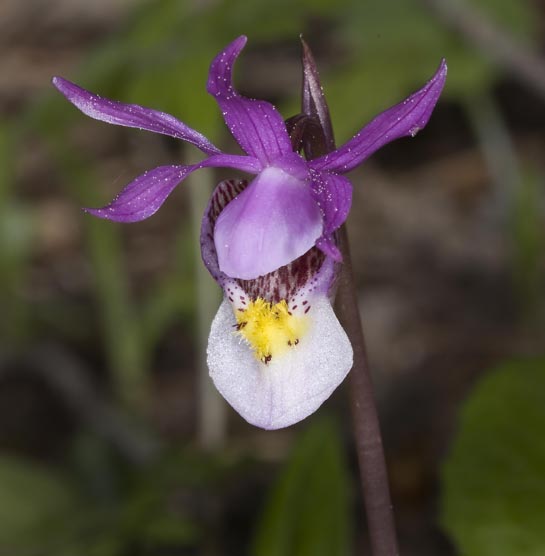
x: 309, y: 509
x: 44, y: 512
x: 34, y: 507
x: 16, y: 234
x: 99, y: 509
x: 528, y: 236
x: 493, y: 479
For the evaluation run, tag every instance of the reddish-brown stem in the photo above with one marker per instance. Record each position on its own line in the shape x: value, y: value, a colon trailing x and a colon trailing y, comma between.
x: 372, y: 464
x: 373, y: 473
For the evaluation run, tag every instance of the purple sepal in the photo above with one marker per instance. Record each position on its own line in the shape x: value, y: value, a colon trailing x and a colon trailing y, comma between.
x: 272, y: 222
x: 131, y: 115
x: 403, y: 119
x: 145, y: 194
x: 255, y: 124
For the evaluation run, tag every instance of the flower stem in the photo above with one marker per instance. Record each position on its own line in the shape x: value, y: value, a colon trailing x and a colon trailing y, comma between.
x: 373, y: 473
x: 372, y: 464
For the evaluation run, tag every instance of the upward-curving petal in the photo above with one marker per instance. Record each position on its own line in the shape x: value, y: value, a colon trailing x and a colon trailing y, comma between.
x: 403, y: 119
x: 131, y: 115
x: 255, y: 124
x: 145, y: 194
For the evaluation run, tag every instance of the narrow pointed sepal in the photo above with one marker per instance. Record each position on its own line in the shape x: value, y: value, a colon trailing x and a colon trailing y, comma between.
x: 403, y: 119
x: 144, y: 195
x: 131, y: 115
x: 255, y: 124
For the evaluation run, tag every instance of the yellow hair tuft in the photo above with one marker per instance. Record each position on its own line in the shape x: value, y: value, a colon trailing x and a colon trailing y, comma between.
x: 269, y: 329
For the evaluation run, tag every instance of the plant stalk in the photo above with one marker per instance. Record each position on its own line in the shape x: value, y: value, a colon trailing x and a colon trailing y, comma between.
x: 372, y: 463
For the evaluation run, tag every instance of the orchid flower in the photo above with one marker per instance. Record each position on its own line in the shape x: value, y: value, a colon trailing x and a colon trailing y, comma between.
x: 276, y: 350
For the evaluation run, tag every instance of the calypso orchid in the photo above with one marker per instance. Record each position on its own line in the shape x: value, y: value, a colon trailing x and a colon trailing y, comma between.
x: 276, y: 350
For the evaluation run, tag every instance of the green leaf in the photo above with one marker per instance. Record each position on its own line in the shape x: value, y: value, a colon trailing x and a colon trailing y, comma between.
x: 308, y: 512
x: 493, y: 479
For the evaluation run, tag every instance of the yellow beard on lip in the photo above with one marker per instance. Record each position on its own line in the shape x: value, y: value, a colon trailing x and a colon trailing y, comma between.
x: 270, y: 329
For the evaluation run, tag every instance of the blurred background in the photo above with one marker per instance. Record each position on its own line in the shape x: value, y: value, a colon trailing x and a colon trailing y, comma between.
x: 112, y: 440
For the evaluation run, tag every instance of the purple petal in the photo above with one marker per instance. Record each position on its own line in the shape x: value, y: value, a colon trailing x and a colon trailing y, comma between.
x: 334, y: 196
x: 327, y: 245
x: 403, y: 119
x: 131, y: 115
x: 255, y: 124
x: 307, y: 274
x: 145, y: 195
x: 271, y: 223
